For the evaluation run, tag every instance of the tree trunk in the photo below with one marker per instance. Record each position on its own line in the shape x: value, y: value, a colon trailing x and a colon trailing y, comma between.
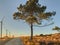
x: 31, y: 31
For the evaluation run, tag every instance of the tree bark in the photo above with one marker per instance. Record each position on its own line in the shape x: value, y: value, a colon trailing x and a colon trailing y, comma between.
x: 31, y: 31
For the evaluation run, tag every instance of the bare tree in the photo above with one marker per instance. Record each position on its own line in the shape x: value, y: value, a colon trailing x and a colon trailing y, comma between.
x: 33, y: 13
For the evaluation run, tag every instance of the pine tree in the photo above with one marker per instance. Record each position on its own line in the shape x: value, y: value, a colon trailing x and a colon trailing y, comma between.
x: 33, y: 13
x: 56, y: 28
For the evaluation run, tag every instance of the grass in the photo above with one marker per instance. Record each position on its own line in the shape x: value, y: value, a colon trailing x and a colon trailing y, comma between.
x: 53, y: 39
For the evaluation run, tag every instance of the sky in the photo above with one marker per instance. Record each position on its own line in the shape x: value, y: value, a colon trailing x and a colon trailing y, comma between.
x: 19, y: 27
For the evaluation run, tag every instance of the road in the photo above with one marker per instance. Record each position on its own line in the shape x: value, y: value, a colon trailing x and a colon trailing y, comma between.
x: 15, y: 41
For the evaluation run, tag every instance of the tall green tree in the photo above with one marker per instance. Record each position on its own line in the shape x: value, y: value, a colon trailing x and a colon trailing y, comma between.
x: 33, y: 13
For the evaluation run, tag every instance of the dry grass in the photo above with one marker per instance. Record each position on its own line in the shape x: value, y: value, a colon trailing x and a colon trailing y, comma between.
x: 37, y: 40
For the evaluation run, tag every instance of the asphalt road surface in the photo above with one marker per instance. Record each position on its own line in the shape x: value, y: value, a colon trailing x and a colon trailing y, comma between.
x: 16, y: 41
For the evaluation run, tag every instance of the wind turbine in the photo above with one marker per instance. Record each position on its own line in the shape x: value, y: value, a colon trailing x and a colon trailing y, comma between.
x: 1, y: 26
x: 6, y: 32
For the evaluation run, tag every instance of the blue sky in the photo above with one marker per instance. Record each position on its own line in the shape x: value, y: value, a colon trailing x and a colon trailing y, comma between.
x: 8, y: 7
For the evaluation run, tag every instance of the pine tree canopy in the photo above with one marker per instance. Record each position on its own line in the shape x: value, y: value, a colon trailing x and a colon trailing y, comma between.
x: 32, y: 12
x: 56, y: 28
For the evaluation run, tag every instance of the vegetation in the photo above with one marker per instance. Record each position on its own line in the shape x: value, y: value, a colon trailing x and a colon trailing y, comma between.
x: 56, y: 28
x: 33, y: 13
x: 50, y: 39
